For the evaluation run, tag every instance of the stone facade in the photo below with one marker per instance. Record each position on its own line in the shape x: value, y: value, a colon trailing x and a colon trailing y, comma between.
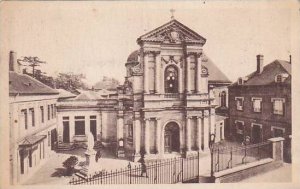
x: 164, y: 105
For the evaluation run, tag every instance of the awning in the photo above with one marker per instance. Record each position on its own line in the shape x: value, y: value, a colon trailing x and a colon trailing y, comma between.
x: 31, y: 140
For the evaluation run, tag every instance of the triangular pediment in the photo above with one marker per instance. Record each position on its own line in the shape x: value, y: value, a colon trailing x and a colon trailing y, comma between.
x: 172, y: 32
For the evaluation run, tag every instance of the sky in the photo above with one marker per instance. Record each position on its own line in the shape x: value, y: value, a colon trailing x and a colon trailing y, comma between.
x: 95, y: 38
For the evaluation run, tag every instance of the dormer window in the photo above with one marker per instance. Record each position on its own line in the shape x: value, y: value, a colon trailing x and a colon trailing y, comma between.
x: 281, y: 77
x: 240, y: 81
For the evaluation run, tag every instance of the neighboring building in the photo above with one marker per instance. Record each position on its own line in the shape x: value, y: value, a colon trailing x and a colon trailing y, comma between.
x: 32, y: 113
x: 164, y: 105
x: 260, y: 103
x: 218, y: 84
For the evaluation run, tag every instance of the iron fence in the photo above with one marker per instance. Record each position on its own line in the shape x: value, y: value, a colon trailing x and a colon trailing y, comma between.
x: 229, y: 157
x: 167, y: 171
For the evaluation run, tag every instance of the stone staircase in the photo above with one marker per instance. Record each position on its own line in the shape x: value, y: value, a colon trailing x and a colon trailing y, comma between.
x: 65, y: 147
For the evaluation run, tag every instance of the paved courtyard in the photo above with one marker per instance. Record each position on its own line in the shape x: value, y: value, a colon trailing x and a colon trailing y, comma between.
x: 52, y: 171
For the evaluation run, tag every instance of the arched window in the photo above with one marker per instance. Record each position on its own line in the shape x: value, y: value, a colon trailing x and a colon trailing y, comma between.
x: 171, y: 80
x: 223, y: 99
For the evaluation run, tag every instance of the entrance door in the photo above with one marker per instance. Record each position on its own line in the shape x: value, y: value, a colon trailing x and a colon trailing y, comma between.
x: 221, y: 133
x: 256, y: 134
x: 171, y: 138
x: 53, y: 138
x: 93, y: 129
x: 66, y: 132
x: 168, y: 142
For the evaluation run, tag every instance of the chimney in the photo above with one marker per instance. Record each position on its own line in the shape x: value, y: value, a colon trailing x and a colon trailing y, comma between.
x: 290, y: 59
x: 13, y: 64
x: 260, y: 63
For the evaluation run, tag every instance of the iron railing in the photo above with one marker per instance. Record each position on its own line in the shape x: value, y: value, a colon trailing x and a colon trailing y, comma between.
x: 229, y: 157
x: 166, y: 171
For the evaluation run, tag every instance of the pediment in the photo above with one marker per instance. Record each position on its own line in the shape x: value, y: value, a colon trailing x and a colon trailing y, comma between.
x: 172, y: 32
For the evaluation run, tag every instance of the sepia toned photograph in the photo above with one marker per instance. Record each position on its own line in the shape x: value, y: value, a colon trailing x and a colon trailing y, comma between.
x: 126, y: 93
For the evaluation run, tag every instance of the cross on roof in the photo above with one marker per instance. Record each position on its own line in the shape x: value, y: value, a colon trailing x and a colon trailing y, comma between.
x: 172, y: 13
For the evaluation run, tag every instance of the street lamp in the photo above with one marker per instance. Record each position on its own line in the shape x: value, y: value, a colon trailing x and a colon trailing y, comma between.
x: 211, y: 147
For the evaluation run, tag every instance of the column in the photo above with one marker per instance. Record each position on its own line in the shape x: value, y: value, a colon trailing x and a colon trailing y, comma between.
x: 180, y: 80
x: 198, y: 73
x: 206, y: 130
x: 158, y: 136
x: 146, y: 89
x: 212, y: 121
x: 137, y: 135
x: 157, y: 72
x: 120, y: 126
x: 199, y: 132
x: 147, y: 136
x: 104, y: 126
x: 188, y: 133
x: 72, y: 127
x: 99, y: 127
x: 60, y: 128
x: 188, y: 78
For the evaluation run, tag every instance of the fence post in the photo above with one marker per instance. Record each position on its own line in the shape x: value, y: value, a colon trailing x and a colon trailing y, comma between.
x: 198, y: 156
x: 277, y: 148
x: 155, y: 179
x: 129, y: 166
x: 245, y: 154
x: 101, y: 177
x: 182, y: 169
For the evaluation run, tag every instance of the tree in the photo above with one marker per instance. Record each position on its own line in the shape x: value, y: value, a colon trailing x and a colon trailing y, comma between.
x: 70, y: 81
x: 31, y: 61
x: 42, y: 77
x: 70, y: 164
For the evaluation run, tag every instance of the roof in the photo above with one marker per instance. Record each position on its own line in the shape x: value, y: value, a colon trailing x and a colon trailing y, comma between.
x: 93, y: 95
x: 267, y: 76
x: 65, y: 94
x: 215, y: 74
x: 133, y: 57
x: 31, y: 140
x: 24, y: 84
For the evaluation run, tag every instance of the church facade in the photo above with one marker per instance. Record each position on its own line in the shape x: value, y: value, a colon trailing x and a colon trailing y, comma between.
x: 164, y: 106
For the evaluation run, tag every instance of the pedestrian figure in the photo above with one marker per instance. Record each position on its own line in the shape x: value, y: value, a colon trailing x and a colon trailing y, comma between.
x: 98, y: 155
x: 144, y: 167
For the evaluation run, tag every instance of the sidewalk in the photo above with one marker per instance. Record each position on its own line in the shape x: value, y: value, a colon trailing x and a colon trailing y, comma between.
x: 282, y: 174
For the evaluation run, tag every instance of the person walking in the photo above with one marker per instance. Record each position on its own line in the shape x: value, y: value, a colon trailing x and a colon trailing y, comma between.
x: 143, y: 166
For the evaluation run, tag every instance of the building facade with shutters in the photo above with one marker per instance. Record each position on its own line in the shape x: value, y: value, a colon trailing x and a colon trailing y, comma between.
x: 165, y: 105
x: 260, y: 103
x: 32, y: 116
